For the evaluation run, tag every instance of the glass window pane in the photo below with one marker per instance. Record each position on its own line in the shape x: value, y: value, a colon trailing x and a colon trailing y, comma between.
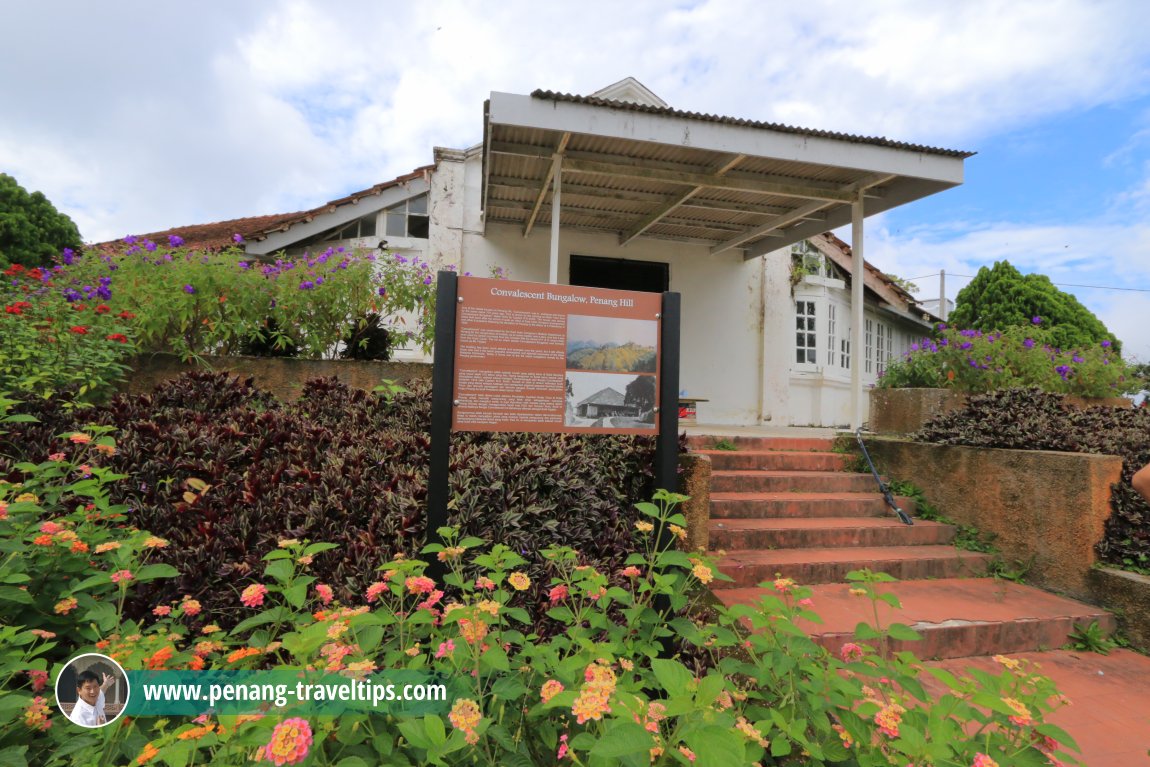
x: 396, y: 225
x: 417, y: 226
x: 367, y: 226
x: 811, y: 340
x: 799, y: 339
x: 417, y: 204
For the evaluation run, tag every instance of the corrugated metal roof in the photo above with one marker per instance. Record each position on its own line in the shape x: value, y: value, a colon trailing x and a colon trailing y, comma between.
x: 670, y: 112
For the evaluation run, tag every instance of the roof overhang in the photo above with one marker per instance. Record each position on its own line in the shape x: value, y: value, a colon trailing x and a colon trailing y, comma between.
x: 640, y: 171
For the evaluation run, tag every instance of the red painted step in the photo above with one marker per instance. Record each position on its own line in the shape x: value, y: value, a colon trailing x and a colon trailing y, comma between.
x: 798, y: 481
x: 956, y: 617
x: 707, y: 442
x: 804, y: 505
x: 833, y: 532
x: 831, y: 565
x: 775, y: 460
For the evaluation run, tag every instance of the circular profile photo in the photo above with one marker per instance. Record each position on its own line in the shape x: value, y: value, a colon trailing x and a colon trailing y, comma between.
x: 92, y: 690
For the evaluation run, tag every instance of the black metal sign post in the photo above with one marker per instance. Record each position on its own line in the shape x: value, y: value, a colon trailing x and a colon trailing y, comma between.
x: 442, y: 384
x: 667, y: 445
x: 666, y: 467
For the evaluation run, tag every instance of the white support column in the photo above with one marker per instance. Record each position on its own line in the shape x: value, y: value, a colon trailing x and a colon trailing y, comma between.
x: 942, y: 294
x: 557, y: 174
x: 858, y: 275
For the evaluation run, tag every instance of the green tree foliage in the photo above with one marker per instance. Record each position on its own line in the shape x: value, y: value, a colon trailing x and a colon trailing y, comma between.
x: 641, y: 392
x: 1000, y: 297
x: 32, y: 231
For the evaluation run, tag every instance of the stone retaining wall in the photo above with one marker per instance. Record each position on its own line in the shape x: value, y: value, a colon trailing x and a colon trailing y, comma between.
x: 1127, y: 595
x: 1046, y: 509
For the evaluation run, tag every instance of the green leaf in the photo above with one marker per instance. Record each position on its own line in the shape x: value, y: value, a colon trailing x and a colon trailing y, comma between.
x: 622, y: 739
x: 716, y: 746
x: 153, y: 572
x: 13, y: 594
x: 672, y: 676
x: 1059, y: 734
x: 436, y: 733
x: 416, y: 733
x: 903, y: 633
x: 296, y: 594
x: 280, y: 570
x: 277, y: 613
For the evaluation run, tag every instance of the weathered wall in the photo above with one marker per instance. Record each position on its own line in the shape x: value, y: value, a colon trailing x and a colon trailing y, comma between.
x: 1045, y: 508
x: 1128, y: 596
x: 283, y: 377
x: 695, y: 481
x: 902, y: 411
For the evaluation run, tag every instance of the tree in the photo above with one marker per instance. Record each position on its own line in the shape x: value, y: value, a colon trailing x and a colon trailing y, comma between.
x: 1000, y: 297
x: 641, y: 392
x: 32, y: 231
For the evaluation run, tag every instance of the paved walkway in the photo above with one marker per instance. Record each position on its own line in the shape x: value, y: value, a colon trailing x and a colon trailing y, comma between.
x: 1109, y: 715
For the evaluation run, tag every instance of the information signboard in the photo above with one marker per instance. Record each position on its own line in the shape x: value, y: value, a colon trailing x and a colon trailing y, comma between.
x: 555, y: 358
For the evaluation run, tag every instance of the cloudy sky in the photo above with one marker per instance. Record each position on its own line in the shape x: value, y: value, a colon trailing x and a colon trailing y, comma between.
x: 135, y: 116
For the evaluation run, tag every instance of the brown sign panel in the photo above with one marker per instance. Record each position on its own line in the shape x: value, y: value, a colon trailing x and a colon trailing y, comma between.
x: 555, y: 358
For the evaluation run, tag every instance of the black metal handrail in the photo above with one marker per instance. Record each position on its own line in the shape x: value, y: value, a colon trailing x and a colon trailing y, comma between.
x: 906, y: 520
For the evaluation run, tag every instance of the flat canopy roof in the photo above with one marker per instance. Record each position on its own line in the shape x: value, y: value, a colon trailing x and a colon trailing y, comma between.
x: 649, y: 171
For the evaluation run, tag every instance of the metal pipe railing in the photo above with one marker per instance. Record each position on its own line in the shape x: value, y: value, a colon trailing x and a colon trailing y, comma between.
x: 902, y: 515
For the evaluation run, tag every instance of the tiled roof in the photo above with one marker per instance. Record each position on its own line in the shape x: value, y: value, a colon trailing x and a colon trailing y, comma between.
x: 606, y: 396
x: 219, y: 235
x: 670, y: 112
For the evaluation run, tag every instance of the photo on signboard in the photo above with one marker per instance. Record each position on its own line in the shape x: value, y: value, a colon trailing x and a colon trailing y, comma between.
x: 610, y: 400
x: 611, y: 344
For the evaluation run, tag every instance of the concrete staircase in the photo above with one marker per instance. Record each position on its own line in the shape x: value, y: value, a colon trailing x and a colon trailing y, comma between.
x: 787, y: 507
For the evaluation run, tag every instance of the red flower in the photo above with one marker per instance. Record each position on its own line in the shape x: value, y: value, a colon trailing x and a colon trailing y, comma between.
x: 126, y: 316
x: 13, y: 270
x: 118, y: 337
x: 35, y: 274
x: 79, y: 307
x: 79, y: 330
x: 103, y: 309
x: 18, y: 307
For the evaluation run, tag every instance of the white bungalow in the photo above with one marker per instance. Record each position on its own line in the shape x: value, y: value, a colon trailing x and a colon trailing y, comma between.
x: 619, y: 190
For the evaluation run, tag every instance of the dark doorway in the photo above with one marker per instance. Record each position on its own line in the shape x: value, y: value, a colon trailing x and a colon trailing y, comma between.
x: 620, y: 274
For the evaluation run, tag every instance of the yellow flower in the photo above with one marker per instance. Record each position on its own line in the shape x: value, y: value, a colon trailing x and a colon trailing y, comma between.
x: 465, y: 716
x: 519, y: 581
x: 450, y: 553
x: 644, y: 527
x: 749, y: 730
x: 858, y: 592
x: 287, y: 543
x: 27, y: 498
x: 703, y: 573
x: 155, y: 542
x: 1009, y: 663
x: 489, y: 606
x: 110, y: 546
x: 211, y: 628
x: 472, y: 631
x: 550, y: 689
x: 678, y: 532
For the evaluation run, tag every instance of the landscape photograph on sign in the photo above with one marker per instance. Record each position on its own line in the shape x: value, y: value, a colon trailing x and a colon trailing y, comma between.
x: 611, y: 344
x: 610, y: 400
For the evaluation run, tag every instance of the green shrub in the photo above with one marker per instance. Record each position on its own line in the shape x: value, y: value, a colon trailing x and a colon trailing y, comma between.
x: 344, y: 466
x: 973, y: 361
x: 195, y: 304
x: 50, y: 345
x: 601, y: 692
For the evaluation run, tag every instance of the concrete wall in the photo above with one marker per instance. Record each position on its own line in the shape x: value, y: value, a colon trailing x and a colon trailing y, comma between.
x: 1048, y: 509
x: 1127, y: 595
x: 283, y: 377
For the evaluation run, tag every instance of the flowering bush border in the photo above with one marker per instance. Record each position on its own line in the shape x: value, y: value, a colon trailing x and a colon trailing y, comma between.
x: 974, y: 361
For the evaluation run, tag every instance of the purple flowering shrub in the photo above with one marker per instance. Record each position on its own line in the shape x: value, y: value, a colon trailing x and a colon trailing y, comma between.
x: 194, y: 304
x: 1019, y: 357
